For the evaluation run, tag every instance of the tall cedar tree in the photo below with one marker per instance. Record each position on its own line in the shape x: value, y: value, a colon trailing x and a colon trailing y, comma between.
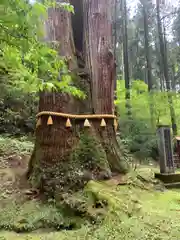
x: 126, y: 57
x: 64, y: 159
x: 148, y: 58
x: 164, y: 59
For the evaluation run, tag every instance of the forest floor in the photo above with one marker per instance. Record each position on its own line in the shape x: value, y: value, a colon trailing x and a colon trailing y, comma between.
x: 136, y: 206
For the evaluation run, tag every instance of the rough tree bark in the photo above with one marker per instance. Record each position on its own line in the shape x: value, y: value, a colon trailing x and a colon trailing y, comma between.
x: 64, y: 159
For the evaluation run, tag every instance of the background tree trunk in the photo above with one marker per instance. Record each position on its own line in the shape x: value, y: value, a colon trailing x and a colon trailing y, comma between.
x: 126, y: 59
x: 163, y: 55
x: 66, y: 158
x: 148, y: 61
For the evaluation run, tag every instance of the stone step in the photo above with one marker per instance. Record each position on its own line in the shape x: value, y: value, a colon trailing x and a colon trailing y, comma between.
x: 172, y: 185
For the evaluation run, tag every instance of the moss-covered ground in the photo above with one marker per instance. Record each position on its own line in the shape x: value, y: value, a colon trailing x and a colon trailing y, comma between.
x: 138, y: 208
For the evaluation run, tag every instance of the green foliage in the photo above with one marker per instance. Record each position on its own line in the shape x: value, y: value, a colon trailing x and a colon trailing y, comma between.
x: 33, y: 215
x: 19, y: 146
x: 140, y: 100
x: 26, y: 62
x: 89, y: 153
x: 138, y: 132
x: 17, y: 111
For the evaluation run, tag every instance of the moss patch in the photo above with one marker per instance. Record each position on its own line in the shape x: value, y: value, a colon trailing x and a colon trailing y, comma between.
x: 70, y: 213
x: 89, y: 154
x: 134, y: 212
x: 88, y: 161
x: 33, y: 215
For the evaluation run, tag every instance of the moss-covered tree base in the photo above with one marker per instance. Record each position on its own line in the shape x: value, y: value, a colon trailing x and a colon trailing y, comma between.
x: 89, y: 154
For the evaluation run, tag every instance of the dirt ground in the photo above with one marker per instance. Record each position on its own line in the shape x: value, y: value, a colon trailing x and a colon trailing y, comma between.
x: 13, y: 181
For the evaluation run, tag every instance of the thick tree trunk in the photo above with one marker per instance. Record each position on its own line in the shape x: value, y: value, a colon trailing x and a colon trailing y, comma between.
x: 66, y: 158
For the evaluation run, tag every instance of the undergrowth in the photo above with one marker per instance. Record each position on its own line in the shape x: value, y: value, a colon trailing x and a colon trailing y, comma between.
x: 15, y: 146
x: 132, y: 211
x: 32, y: 215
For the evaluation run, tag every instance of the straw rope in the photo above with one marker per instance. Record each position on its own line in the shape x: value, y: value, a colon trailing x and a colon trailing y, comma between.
x: 67, y: 115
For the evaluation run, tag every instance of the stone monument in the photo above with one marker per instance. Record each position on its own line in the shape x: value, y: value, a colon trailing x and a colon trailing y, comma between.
x: 165, y: 149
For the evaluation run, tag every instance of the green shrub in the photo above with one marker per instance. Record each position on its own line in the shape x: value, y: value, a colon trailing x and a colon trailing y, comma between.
x: 139, y: 138
x: 17, y: 111
x: 33, y: 215
x: 15, y: 146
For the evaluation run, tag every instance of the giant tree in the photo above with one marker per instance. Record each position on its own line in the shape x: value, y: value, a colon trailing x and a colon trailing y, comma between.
x: 75, y: 138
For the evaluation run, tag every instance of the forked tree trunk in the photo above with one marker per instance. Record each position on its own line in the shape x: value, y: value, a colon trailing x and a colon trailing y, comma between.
x: 66, y: 158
